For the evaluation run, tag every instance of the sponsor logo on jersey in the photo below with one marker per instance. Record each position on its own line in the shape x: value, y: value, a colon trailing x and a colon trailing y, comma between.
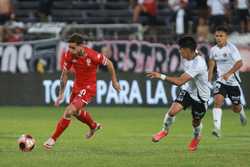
x: 88, y: 61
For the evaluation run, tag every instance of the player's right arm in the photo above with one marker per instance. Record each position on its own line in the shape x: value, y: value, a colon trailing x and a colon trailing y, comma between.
x: 64, y: 78
x: 211, y: 65
x: 182, y: 79
x: 63, y: 82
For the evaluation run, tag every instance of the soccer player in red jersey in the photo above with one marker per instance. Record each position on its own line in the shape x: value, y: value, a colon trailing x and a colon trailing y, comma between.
x: 85, y: 62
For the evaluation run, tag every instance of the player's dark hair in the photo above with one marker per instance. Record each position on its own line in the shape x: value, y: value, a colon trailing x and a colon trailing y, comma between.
x: 187, y: 42
x: 222, y: 28
x: 77, y: 38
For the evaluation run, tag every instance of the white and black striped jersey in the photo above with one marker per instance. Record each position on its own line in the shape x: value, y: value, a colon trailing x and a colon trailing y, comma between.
x: 225, y: 59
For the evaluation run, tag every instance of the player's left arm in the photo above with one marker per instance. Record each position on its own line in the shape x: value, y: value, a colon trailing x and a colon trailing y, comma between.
x: 111, y: 70
x: 183, y: 78
x: 238, y: 63
x: 100, y: 59
x: 235, y: 68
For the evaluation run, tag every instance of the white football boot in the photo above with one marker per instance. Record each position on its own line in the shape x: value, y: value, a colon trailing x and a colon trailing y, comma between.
x: 49, y: 144
x: 243, y: 119
x: 92, y: 132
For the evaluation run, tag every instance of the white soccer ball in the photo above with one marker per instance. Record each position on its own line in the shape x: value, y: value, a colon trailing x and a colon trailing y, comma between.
x: 26, y: 143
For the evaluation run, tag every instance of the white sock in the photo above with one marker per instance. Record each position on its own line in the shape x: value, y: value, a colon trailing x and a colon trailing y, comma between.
x: 217, y: 115
x: 197, y: 130
x: 242, y: 112
x: 168, y: 120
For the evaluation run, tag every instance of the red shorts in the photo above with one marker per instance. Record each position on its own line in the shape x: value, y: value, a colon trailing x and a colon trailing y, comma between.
x: 81, y: 98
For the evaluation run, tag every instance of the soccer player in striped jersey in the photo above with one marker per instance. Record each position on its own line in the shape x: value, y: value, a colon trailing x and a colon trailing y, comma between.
x: 226, y: 57
x: 194, y: 92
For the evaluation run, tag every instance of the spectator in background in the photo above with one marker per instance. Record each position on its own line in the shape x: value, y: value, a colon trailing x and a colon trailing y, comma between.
x: 181, y: 18
x: 242, y: 7
x: 17, y: 32
x: 202, y: 30
x: 218, y: 12
x: 1, y: 33
x: 44, y: 10
x: 147, y: 8
x: 5, y: 11
x: 202, y: 7
x: 17, y: 27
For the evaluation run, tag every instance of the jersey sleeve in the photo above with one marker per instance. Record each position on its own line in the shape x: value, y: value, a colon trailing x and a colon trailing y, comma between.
x: 192, y: 72
x: 67, y: 61
x: 235, y: 54
x: 211, y: 54
x: 97, y: 58
x: 193, y: 69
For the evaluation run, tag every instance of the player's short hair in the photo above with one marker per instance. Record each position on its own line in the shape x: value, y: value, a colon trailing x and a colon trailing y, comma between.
x: 77, y: 38
x: 223, y: 29
x: 187, y: 42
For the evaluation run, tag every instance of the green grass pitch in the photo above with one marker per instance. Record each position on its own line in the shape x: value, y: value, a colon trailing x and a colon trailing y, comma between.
x: 125, y: 140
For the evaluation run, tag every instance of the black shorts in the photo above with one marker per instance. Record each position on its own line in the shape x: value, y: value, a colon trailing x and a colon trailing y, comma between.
x: 198, y: 108
x: 233, y: 92
x: 243, y: 14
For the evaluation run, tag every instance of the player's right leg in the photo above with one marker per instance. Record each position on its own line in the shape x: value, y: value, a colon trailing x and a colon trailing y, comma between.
x: 217, y: 114
x: 240, y: 109
x: 168, y: 120
x: 62, y: 124
x: 219, y: 92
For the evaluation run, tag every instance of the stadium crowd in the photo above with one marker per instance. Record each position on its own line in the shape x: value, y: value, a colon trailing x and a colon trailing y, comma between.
x: 173, y: 18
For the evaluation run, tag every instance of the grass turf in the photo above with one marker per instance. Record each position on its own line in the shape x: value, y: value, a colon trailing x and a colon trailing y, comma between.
x: 125, y: 140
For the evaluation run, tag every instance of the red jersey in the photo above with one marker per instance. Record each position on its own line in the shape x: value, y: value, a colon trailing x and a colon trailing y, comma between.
x: 150, y: 6
x: 85, y: 68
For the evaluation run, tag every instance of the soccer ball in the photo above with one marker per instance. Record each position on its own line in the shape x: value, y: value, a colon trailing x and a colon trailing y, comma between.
x: 26, y: 142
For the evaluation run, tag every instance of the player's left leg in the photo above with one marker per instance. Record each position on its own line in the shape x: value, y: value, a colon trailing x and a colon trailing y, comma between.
x: 82, y: 115
x: 85, y: 117
x: 198, y: 112
x: 234, y: 95
x: 240, y: 109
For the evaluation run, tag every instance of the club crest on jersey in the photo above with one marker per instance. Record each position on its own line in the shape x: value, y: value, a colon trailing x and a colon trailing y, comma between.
x: 98, y: 56
x: 225, y: 55
x: 88, y: 61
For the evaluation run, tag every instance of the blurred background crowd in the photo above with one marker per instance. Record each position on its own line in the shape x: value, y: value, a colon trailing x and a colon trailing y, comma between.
x: 136, y: 35
x: 161, y: 21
